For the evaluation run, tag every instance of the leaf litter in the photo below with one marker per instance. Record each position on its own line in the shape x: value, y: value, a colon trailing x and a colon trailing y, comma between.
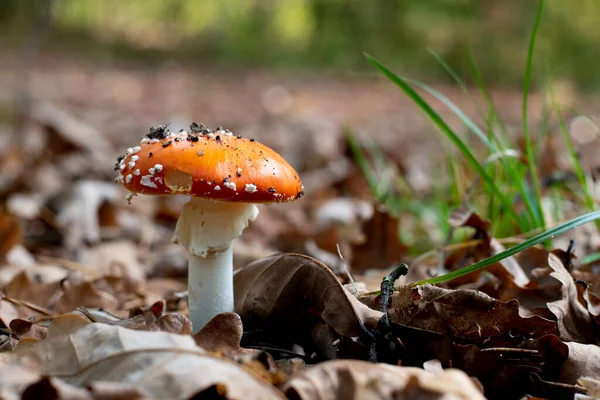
x: 93, y: 294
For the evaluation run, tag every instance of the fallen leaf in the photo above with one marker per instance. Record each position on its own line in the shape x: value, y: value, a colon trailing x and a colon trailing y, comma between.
x: 80, y: 216
x: 507, y: 268
x: 118, y: 258
x: 574, y: 322
x: 22, y: 287
x: 584, y: 360
x: 222, y: 334
x: 471, y: 314
x: 505, y: 371
x: 84, y: 294
x: 22, y: 329
x: 286, y: 295
x: 159, y: 364
x: 352, y: 379
x: 382, y: 247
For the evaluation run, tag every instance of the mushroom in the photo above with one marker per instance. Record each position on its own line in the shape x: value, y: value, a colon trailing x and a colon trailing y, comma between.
x: 225, y: 177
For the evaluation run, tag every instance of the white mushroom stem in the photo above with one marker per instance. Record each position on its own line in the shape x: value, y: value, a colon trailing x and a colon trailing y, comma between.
x: 210, y: 286
x: 207, y: 229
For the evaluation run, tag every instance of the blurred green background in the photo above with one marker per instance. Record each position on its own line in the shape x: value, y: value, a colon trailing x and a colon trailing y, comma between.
x: 322, y: 35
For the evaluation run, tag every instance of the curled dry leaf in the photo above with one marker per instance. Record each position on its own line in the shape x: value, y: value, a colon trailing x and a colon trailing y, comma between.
x: 223, y: 334
x: 351, y: 379
x: 574, y: 321
x: 287, y: 295
x: 159, y: 364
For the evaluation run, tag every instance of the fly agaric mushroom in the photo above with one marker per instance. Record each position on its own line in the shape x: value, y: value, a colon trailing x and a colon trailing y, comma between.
x: 226, y: 176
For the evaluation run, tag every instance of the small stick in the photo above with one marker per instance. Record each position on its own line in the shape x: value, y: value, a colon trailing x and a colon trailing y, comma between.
x: 387, y: 288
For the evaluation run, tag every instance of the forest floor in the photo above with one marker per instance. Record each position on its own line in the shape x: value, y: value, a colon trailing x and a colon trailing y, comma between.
x: 70, y: 243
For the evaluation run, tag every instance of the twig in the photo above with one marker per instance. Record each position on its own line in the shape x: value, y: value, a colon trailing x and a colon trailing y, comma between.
x: 387, y: 288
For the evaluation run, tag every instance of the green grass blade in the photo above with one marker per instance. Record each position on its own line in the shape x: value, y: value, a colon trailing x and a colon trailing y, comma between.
x: 457, y: 79
x: 516, y: 177
x: 537, y: 239
x: 590, y: 258
x: 459, y: 113
x: 443, y: 126
x: 531, y: 159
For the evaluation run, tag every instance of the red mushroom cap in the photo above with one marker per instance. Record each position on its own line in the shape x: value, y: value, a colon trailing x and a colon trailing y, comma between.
x: 213, y: 165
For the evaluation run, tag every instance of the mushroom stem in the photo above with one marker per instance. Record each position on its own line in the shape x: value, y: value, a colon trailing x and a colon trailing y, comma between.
x: 207, y: 229
x: 210, y: 286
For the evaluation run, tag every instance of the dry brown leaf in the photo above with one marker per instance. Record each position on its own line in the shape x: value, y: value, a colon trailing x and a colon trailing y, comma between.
x: 11, y: 308
x: 80, y: 216
x: 472, y: 314
x: 574, y: 322
x: 465, y: 217
x: 505, y: 371
x: 591, y: 292
x: 351, y: 379
x: 286, y: 295
x: 223, y: 334
x: 22, y: 329
x: 22, y: 287
x: 382, y: 247
x: 542, y: 287
x: 584, y: 360
x: 84, y: 294
x: 159, y: 364
x: 118, y: 258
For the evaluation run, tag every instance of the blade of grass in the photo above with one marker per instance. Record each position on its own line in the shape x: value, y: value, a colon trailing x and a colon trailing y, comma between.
x: 531, y: 157
x: 457, y: 79
x: 443, y: 126
x: 516, y: 177
x: 590, y: 258
x: 537, y: 239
